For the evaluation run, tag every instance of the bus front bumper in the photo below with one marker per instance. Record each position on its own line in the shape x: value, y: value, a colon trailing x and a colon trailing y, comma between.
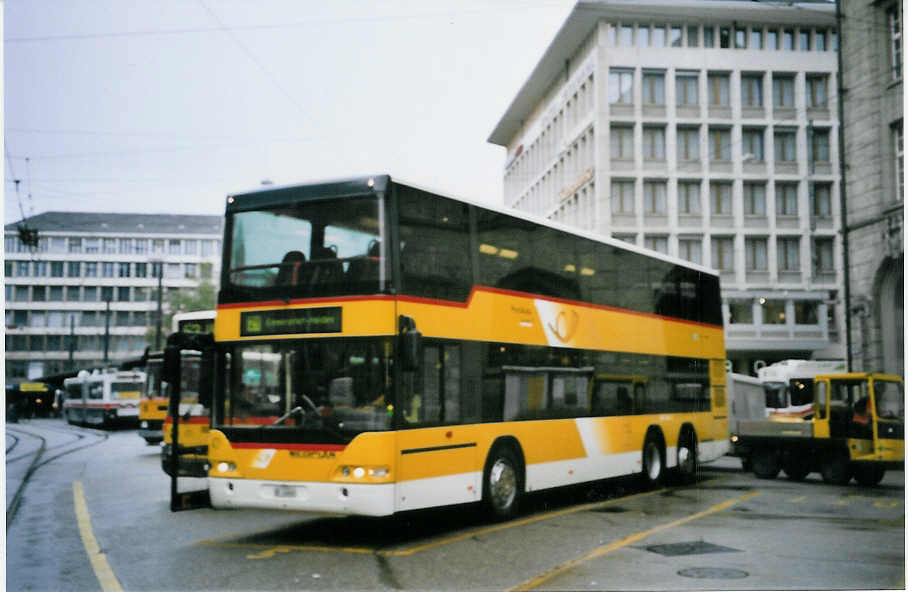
x: 334, y: 498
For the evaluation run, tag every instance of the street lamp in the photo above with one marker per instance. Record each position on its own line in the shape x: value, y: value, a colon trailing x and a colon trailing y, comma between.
x: 159, y: 263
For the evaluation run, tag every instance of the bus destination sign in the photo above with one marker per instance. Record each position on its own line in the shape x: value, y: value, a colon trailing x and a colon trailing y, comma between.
x: 291, y: 321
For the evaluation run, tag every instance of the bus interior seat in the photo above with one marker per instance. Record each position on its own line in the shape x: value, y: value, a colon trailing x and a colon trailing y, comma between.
x: 365, y: 267
x: 340, y: 392
x: 327, y: 269
x: 290, y: 273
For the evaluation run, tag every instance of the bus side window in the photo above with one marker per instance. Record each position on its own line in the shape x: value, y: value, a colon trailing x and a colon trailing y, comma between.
x: 821, y: 387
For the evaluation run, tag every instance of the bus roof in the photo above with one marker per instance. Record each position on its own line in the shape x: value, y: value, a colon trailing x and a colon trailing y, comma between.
x: 274, y: 196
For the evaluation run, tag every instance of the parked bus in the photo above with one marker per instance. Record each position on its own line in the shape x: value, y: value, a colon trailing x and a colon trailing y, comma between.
x: 103, y: 398
x: 789, y: 385
x: 382, y: 348
x: 153, y: 408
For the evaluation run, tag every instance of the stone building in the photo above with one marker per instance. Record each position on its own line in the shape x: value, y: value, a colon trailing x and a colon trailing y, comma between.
x: 872, y: 72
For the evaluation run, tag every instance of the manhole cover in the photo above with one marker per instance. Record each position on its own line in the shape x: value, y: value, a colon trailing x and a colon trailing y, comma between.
x: 690, y: 548
x: 713, y: 573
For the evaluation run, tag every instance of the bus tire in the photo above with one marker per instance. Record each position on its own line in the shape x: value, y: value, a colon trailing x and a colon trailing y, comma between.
x: 653, y: 460
x: 796, y: 466
x: 688, y: 462
x: 502, y: 482
x: 835, y: 468
x: 869, y: 475
x: 765, y: 462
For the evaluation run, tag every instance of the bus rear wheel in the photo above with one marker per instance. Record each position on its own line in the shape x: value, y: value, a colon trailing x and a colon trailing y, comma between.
x: 796, y: 466
x: 687, y: 457
x: 765, y: 463
x: 869, y: 475
x: 653, y: 461
x: 502, y: 483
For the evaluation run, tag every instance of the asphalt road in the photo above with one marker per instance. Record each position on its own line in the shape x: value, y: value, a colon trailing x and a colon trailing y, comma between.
x: 96, y: 516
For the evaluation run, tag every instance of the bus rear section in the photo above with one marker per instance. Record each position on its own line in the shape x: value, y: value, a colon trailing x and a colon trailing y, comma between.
x: 104, y: 398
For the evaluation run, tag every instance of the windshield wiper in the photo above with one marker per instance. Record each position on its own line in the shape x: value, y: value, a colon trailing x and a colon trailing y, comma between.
x: 312, y: 409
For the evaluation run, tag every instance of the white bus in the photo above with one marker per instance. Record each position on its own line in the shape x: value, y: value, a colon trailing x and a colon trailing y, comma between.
x: 788, y: 385
x: 103, y: 398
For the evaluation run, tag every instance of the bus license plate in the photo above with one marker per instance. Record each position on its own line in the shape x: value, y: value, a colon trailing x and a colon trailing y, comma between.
x: 284, y: 491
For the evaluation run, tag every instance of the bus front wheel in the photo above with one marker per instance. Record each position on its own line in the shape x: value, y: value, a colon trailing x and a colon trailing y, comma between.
x: 503, y: 483
x: 869, y: 475
x: 765, y: 462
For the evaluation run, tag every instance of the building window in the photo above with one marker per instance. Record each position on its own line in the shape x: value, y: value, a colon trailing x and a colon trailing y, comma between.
x: 110, y: 245
x: 22, y: 268
x: 740, y: 312
x: 208, y: 248
x: 90, y: 294
x: 172, y: 271
x: 740, y: 38
x: 654, y: 198
x: 620, y: 87
x: 784, y: 145
x: 621, y: 141
x: 719, y: 144
x: 752, y: 144
x: 92, y: 245
x: 806, y: 312
x: 688, y: 143
x: 756, y: 38
x: 107, y: 293
x: 772, y: 39
x: 141, y: 294
x: 126, y: 246
x: 123, y: 269
x: 156, y: 269
x: 75, y: 245
x: 123, y: 294
x: 656, y: 243
x: 692, y: 37
x: 691, y: 249
x: 653, y: 88
x: 823, y: 256
x: 675, y: 33
x: 158, y: 246
x: 895, y: 40
x: 121, y: 319
x: 206, y: 271
x: 74, y: 269
x: 190, y: 247
x: 107, y: 269
x: 658, y: 36
x: 56, y: 294
x: 755, y: 253
x: 724, y: 37
x: 717, y: 87
x: 709, y: 37
x: 788, y: 39
x: 898, y: 153
x: 622, y: 197
x: 816, y: 91
x: 73, y: 294
x: 804, y: 39
x: 720, y: 198
x: 754, y: 199
x: 752, y: 90
x: 627, y: 35
x: 39, y: 293
x: 190, y: 271
x: 174, y: 246
x: 788, y: 250
x: 783, y: 92
x: 642, y: 36
x: 141, y: 270
x: 141, y: 246
x: 686, y: 89
x: 773, y: 311
x: 689, y: 198
x: 91, y: 269
x: 819, y: 40
x: 819, y: 145
x: 822, y: 200
x: 723, y: 253
x: 653, y: 143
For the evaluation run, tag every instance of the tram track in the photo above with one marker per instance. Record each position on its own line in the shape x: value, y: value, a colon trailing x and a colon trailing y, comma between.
x: 44, y: 454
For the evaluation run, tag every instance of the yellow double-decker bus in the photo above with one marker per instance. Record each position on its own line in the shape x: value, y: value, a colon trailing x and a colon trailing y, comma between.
x: 383, y: 348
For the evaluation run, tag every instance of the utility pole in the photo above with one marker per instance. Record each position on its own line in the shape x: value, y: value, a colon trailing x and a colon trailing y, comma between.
x: 160, y: 318
x: 72, y: 341
x: 107, y: 298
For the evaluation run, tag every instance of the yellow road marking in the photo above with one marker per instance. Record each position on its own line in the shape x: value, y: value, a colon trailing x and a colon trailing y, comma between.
x: 798, y: 500
x: 99, y: 563
x: 603, y: 550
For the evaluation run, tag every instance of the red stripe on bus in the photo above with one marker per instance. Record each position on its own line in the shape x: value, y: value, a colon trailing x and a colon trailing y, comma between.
x: 271, y: 303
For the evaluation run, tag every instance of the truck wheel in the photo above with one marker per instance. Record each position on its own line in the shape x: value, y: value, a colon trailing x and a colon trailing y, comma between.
x: 502, y: 483
x: 687, y: 457
x: 653, y: 461
x: 795, y: 466
x: 765, y: 462
x: 835, y: 469
x: 869, y: 475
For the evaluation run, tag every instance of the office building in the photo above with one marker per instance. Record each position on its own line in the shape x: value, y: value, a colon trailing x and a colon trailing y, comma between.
x: 706, y: 130
x: 58, y: 293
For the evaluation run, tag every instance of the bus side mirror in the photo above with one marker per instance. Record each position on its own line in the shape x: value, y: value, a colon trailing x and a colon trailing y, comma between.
x: 206, y: 377
x: 410, y: 344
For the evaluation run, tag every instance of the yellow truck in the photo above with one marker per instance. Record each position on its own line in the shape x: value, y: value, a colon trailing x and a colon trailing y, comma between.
x: 856, y: 429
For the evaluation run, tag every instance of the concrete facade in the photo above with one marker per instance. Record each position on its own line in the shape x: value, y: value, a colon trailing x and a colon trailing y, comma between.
x: 704, y: 129
x: 58, y: 291
x: 872, y: 65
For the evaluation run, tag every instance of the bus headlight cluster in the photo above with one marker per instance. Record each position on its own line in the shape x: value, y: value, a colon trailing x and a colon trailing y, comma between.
x: 360, y: 472
x: 226, y: 467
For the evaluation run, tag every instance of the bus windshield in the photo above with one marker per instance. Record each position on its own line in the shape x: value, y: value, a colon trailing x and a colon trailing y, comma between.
x: 890, y: 399
x: 321, y: 248
x: 339, y: 387
x: 776, y: 394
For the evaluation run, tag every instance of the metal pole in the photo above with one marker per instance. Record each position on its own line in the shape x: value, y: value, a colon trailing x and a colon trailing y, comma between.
x: 107, y: 328
x: 72, y: 341
x: 846, y: 258
x: 160, y: 319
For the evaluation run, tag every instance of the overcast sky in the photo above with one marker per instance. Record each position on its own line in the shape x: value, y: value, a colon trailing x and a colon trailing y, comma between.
x: 169, y: 105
